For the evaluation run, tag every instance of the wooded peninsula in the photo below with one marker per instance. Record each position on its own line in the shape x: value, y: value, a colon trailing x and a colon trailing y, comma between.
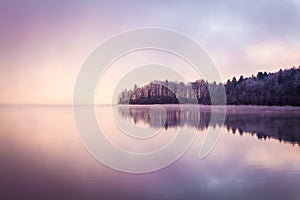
x: 280, y: 88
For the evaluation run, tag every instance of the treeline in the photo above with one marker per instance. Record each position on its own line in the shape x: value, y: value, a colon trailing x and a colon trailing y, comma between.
x: 280, y: 88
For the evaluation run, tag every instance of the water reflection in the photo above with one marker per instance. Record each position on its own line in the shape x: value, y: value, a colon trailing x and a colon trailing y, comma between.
x: 42, y: 158
x: 280, y: 123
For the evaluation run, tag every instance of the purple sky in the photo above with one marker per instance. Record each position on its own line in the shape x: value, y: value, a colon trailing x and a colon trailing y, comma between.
x: 44, y: 43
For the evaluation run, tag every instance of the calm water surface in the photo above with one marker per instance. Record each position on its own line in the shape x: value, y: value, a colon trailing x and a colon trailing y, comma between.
x: 256, y: 157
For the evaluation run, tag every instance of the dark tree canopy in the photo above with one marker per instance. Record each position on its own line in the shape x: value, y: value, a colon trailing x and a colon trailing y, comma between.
x: 280, y: 88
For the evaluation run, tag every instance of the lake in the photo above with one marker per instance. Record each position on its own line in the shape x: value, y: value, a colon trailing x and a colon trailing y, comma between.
x: 256, y: 154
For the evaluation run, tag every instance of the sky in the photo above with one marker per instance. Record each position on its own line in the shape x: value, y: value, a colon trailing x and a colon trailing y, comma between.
x: 44, y: 43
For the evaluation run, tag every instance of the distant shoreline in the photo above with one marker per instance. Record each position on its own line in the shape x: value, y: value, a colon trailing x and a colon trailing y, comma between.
x: 270, y: 89
x: 138, y: 105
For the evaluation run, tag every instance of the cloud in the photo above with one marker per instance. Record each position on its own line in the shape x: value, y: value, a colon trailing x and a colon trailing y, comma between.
x: 241, y: 37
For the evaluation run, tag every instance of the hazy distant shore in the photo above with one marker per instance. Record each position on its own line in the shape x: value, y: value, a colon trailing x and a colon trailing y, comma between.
x: 281, y: 88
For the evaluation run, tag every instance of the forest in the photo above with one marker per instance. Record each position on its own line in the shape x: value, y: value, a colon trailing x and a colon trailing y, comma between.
x: 278, y: 88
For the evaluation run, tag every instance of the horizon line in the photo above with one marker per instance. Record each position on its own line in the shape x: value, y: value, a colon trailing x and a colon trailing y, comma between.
x: 52, y: 104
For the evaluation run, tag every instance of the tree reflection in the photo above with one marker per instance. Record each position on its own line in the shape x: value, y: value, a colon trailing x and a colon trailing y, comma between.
x: 263, y: 122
